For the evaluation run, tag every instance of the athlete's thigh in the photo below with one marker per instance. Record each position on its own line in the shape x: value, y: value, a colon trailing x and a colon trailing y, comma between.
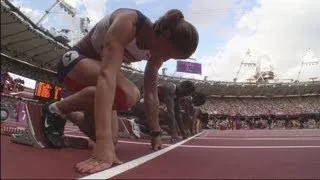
x: 76, y: 71
x: 85, y: 72
x: 129, y: 89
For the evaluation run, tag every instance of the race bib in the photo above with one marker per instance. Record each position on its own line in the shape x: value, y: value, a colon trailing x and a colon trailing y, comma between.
x: 69, y: 57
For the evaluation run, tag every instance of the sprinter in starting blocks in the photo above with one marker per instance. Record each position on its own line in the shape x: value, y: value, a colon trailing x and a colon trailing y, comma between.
x: 32, y: 135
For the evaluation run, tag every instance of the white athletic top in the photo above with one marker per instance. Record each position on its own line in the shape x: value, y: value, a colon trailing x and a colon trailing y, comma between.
x: 92, y: 44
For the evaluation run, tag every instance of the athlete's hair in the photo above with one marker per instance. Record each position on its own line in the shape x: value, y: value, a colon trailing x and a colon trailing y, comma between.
x: 187, y: 87
x: 183, y: 35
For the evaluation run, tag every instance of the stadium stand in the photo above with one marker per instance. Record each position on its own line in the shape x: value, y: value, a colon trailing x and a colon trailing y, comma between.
x: 32, y: 52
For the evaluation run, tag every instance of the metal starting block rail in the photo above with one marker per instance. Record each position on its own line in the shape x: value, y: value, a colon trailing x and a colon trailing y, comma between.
x: 29, y: 136
x: 33, y: 134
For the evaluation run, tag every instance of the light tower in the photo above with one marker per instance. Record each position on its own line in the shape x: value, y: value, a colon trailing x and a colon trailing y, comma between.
x: 246, y: 63
x: 63, y: 4
x: 264, y: 70
x: 309, y: 61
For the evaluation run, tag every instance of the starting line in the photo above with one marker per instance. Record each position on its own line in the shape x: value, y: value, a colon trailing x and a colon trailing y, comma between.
x: 260, y: 139
x: 108, y: 173
x: 250, y: 147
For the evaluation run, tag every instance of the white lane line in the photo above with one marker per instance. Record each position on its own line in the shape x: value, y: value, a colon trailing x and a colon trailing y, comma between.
x: 249, y: 147
x: 137, y: 142
x: 108, y: 173
x: 214, y: 147
x: 262, y: 138
x: 120, y: 141
x: 77, y: 136
x: 225, y: 147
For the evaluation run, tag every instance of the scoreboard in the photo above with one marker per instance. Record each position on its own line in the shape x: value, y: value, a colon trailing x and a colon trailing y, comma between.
x: 47, y: 92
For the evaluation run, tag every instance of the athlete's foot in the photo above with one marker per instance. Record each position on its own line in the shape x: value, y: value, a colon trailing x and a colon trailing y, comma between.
x: 99, y: 161
x: 53, y: 128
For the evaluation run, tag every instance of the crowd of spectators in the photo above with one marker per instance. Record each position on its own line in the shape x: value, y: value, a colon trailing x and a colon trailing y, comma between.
x: 263, y: 106
x: 225, y: 123
x: 25, y: 70
x: 222, y: 106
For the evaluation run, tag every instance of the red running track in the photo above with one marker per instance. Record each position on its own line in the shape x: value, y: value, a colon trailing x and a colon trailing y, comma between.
x: 262, y: 154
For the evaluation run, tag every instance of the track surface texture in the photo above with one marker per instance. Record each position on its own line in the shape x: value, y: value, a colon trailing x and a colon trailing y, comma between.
x: 213, y: 154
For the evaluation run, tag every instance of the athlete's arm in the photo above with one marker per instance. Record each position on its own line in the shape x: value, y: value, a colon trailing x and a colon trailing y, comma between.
x: 151, y: 94
x: 120, y: 33
x: 169, y: 100
x: 196, y: 113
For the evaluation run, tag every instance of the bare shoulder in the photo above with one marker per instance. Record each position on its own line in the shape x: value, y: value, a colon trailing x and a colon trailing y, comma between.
x: 125, y: 13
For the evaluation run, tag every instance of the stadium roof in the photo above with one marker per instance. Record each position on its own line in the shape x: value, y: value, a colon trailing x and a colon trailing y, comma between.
x: 231, y: 89
x: 22, y: 39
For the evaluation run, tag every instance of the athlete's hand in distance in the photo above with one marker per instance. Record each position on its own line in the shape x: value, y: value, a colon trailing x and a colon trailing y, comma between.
x: 156, y: 143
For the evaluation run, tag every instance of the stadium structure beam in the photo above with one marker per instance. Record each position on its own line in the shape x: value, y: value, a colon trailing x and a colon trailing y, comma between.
x: 45, y: 52
x: 17, y: 54
x: 20, y: 41
x: 26, y: 63
x: 35, y: 47
x: 9, y: 35
x: 8, y: 23
x: 48, y: 11
x: 52, y: 59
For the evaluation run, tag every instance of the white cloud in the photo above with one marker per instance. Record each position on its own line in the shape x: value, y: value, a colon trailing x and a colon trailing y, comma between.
x: 203, y: 12
x: 138, y: 2
x: 33, y: 14
x: 95, y: 9
x: 283, y: 30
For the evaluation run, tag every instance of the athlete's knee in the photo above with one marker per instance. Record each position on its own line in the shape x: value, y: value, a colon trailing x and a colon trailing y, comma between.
x: 89, y: 92
x: 133, y: 96
x: 126, y: 98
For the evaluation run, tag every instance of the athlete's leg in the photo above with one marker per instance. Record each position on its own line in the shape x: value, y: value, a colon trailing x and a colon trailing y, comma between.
x: 198, y: 126
x: 85, y: 122
x: 85, y: 74
x: 82, y: 76
x: 194, y: 126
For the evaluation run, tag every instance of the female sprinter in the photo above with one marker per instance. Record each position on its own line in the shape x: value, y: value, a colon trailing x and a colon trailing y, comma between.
x: 91, y: 69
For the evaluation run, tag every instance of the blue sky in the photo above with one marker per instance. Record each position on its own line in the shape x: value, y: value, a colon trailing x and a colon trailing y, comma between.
x: 209, y: 40
x: 227, y: 29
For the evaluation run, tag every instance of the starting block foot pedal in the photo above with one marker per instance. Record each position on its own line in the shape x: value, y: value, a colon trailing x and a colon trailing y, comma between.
x: 33, y: 134
x: 28, y: 137
x: 78, y: 142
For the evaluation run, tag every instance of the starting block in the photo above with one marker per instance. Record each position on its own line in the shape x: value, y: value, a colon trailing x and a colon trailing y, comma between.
x: 29, y: 137
x: 33, y: 133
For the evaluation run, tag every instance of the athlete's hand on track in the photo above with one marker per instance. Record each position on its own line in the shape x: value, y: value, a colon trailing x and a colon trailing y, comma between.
x: 102, y: 158
x: 156, y: 143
